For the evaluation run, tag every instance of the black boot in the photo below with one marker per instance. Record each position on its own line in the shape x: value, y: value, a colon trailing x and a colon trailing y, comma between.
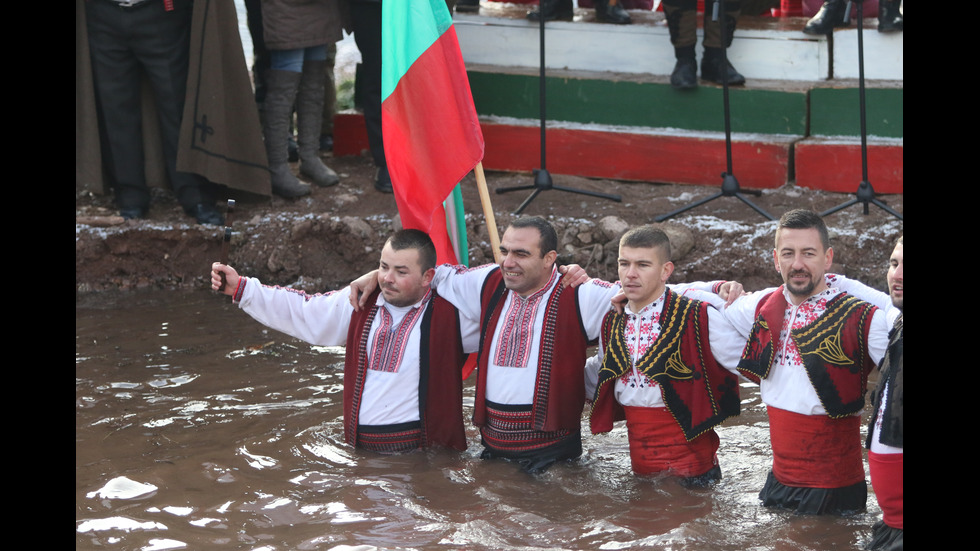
x: 685, y: 75
x: 890, y: 16
x: 553, y: 10
x: 614, y: 13
x: 832, y: 14
x: 715, y: 69
x: 382, y: 181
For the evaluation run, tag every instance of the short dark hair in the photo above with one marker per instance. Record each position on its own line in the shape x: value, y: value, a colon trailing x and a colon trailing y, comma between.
x: 803, y: 219
x: 418, y: 240
x: 647, y: 237
x: 549, y: 239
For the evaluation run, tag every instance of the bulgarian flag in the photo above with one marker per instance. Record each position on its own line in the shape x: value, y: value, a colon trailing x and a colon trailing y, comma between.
x: 432, y: 136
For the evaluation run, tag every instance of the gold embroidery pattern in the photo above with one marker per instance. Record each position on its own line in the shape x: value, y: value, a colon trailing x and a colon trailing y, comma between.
x: 676, y: 369
x: 831, y: 352
x: 823, y: 338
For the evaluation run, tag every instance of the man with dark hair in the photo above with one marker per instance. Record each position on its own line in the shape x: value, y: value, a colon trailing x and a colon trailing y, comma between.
x: 887, y: 428
x: 811, y: 345
x: 530, y: 388
x: 665, y: 366
x: 405, y: 352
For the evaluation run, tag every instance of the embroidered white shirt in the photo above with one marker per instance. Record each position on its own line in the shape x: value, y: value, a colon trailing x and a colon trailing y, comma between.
x: 516, y: 345
x: 642, y: 331
x: 788, y: 387
x: 390, y: 393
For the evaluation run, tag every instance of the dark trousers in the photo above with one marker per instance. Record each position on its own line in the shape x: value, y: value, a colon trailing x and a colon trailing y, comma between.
x: 682, y: 22
x: 366, y: 19
x: 126, y: 45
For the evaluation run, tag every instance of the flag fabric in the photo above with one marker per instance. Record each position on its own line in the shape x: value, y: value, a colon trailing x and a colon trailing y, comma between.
x: 432, y: 137
x: 456, y: 225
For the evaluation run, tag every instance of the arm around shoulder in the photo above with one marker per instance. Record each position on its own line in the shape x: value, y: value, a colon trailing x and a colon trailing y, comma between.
x: 860, y: 290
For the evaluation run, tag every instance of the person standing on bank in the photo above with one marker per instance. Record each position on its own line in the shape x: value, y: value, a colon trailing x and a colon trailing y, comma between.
x: 366, y: 22
x: 296, y: 36
x: 606, y: 11
x: 129, y: 41
x: 682, y: 23
x: 833, y: 14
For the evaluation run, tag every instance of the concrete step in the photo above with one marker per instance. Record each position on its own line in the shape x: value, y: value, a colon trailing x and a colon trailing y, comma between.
x: 767, y: 48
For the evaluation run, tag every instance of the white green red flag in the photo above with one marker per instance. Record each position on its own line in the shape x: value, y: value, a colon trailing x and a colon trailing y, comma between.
x: 432, y: 136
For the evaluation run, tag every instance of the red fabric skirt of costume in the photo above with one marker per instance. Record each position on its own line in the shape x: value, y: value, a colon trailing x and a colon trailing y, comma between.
x: 658, y: 445
x: 815, y: 451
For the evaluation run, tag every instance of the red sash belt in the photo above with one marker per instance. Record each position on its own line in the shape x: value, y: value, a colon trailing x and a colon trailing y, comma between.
x: 815, y: 451
x: 510, y: 429
x: 888, y: 483
x: 657, y: 444
x: 389, y: 439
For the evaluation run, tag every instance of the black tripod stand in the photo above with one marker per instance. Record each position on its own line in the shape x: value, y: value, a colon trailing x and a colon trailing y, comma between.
x: 542, y: 179
x: 865, y: 192
x: 729, y: 185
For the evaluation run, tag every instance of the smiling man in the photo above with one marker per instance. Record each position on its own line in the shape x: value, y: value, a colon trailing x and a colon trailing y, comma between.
x: 530, y: 389
x: 667, y: 366
x: 405, y: 351
x: 811, y: 346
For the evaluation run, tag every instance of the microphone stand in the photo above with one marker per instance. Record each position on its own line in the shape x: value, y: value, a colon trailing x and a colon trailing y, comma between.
x: 729, y: 185
x: 542, y: 179
x: 865, y: 192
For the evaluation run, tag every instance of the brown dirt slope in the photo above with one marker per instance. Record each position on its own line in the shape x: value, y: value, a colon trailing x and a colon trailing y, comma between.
x: 323, y: 241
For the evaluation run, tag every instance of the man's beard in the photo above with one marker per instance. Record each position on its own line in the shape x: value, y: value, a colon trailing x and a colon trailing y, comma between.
x: 806, y: 290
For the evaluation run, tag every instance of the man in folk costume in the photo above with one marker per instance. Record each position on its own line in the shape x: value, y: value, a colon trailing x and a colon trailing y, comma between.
x: 887, y: 426
x: 666, y: 366
x: 530, y: 388
x: 405, y: 351
x: 811, y: 346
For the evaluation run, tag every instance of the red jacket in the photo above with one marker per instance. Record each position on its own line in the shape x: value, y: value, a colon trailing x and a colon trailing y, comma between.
x: 834, y: 349
x: 440, y: 373
x: 698, y: 391
x: 559, y: 393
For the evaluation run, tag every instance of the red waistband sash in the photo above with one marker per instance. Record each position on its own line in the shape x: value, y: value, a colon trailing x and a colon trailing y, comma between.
x: 815, y: 451
x: 510, y: 429
x: 887, y: 479
x: 388, y: 439
x: 658, y: 445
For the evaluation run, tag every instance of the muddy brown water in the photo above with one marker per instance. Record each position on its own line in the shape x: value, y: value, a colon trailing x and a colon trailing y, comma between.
x: 197, y: 428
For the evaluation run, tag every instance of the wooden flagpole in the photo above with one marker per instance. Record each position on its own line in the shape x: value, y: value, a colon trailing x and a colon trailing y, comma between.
x: 481, y: 181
